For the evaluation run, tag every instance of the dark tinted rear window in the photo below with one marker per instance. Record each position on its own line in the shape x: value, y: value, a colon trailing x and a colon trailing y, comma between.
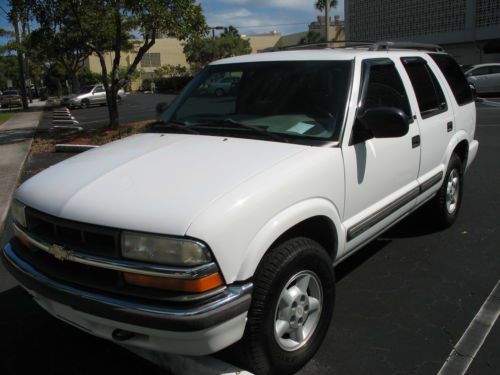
x: 429, y: 95
x: 455, y: 77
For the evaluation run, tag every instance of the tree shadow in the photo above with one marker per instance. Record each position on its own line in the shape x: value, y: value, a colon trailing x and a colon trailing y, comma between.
x: 15, y: 135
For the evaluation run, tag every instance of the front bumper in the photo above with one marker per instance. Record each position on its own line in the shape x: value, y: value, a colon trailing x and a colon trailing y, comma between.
x: 201, y: 321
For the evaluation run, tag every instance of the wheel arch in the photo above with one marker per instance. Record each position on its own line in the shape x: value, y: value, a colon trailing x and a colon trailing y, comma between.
x: 317, y: 219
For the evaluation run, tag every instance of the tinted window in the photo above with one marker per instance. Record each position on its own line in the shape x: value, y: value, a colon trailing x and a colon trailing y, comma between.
x: 480, y: 71
x: 11, y: 92
x: 385, y: 88
x: 454, y: 76
x: 429, y: 95
x: 99, y: 89
x: 495, y: 69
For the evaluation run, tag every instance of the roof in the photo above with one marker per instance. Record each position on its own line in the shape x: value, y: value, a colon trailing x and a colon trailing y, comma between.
x: 318, y: 54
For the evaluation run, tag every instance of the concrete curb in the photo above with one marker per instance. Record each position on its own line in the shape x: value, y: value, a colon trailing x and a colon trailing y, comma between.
x: 183, y: 365
x: 73, y: 148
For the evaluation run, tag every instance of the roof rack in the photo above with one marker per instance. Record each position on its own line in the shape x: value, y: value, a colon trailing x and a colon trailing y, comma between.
x: 385, y: 46
x: 372, y: 46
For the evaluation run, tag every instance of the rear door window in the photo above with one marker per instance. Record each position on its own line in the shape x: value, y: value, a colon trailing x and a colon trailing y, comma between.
x: 454, y: 76
x: 430, y: 96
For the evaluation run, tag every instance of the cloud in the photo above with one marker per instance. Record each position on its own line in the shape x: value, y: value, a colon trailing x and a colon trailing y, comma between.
x: 307, y: 5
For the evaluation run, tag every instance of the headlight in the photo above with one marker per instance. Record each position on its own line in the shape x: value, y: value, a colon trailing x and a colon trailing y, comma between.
x: 164, y: 250
x: 18, y: 212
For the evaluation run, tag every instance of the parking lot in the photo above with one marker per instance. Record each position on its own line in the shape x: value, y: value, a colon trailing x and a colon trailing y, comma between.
x: 402, y: 302
x: 134, y: 107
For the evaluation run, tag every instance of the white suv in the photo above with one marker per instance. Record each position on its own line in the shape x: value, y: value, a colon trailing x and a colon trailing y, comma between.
x: 224, y: 222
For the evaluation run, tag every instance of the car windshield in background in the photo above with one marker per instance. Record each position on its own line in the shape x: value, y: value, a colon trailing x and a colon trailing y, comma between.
x: 85, y: 89
x: 281, y: 100
x: 10, y: 92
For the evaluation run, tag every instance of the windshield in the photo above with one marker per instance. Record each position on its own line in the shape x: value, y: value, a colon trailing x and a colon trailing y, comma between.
x: 85, y: 89
x: 292, y: 100
x: 10, y: 92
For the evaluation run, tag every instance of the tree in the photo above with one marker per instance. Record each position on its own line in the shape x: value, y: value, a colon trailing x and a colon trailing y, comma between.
x: 200, y: 51
x: 320, y: 4
x: 312, y: 37
x: 107, y: 28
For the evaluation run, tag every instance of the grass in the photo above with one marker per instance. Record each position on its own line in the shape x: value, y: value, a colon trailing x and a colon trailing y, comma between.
x: 4, y: 116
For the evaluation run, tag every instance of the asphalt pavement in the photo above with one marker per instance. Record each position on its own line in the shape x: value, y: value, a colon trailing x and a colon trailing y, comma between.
x: 402, y: 303
x: 134, y: 107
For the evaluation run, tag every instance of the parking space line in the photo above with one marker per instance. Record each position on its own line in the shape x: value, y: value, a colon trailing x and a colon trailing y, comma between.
x: 473, y: 338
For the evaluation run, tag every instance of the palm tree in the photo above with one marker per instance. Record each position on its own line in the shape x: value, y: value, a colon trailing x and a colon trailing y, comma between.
x: 320, y: 4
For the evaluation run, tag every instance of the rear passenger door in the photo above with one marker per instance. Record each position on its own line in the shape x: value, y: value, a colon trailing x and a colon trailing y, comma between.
x: 435, y: 120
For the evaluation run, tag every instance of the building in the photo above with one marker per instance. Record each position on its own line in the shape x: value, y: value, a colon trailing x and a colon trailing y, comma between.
x: 169, y: 51
x: 469, y: 30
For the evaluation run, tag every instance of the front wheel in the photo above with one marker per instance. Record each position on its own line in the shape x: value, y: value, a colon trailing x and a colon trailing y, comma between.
x: 84, y: 104
x: 291, y: 308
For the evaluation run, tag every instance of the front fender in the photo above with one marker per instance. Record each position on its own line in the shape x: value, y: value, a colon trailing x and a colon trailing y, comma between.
x: 284, y: 220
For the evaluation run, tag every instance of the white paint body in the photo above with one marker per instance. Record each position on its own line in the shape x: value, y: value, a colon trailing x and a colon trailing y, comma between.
x: 239, y: 195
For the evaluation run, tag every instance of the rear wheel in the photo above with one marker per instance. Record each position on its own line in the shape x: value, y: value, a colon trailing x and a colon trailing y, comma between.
x: 291, y: 308
x: 445, y: 206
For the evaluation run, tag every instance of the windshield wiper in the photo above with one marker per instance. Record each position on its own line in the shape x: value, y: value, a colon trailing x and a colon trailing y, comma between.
x: 255, y: 129
x: 174, y: 124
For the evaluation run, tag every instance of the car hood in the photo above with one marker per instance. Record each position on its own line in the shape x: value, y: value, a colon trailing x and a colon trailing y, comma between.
x: 150, y: 182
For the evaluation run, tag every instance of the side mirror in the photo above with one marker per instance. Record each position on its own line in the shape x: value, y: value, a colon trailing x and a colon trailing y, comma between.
x: 385, y: 122
x: 161, y: 107
x: 473, y: 91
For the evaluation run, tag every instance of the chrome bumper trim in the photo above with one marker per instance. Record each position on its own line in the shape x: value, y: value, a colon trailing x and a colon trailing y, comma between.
x: 118, y: 264
x: 234, y: 294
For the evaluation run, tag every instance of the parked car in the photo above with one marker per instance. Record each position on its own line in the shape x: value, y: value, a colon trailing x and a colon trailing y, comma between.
x: 223, y: 86
x: 87, y: 96
x: 11, y: 98
x: 485, y: 78
x: 223, y: 224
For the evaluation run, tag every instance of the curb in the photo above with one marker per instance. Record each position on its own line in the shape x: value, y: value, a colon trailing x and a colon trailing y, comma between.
x: 62, y: 147
x: 184, y: 365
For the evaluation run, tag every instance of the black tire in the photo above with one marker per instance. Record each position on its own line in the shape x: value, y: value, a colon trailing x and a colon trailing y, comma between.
x: 84, y: 104
x: 262, y: 354
x: 219, y: 92
x: 442, y: 217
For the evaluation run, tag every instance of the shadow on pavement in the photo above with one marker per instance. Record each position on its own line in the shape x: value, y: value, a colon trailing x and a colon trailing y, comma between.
x: 32, y: 342
x: 15, y: 135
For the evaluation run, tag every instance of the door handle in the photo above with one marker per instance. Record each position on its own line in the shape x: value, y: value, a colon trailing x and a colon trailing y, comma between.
x: 449, y: 126
x: 415, y: 141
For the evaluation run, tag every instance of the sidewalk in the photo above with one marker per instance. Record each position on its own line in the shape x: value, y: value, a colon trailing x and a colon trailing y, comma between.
x: 16, y: 135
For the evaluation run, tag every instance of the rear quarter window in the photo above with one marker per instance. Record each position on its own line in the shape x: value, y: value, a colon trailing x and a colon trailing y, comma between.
x: 455, y: 77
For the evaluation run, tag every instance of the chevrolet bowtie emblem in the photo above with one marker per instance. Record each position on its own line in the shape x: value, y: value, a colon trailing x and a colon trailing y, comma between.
x: 59, y: 252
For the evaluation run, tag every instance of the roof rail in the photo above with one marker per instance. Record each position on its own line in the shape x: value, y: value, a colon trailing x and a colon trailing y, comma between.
x: 372, y: 46
x: 386, y: 45
x: 331, y: 44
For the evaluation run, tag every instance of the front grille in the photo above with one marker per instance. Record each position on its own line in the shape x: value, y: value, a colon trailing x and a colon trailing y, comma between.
x: 84, y: 238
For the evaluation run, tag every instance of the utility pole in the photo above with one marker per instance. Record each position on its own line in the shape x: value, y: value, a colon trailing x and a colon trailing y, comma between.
x: 327, y: 20
x: 20, y: 60
x: 213, y: 38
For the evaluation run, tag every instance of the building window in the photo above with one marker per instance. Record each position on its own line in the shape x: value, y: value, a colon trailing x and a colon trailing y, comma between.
x: 151, y: 60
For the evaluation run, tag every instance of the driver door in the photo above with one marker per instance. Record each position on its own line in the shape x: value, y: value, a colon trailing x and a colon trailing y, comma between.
x: 380, y: 173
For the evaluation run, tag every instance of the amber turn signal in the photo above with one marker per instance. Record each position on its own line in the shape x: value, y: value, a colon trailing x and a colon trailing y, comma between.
x: 159, y: 282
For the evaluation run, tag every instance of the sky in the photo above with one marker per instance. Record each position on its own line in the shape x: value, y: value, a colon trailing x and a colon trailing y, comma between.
x: 261, y: 16
x: 249, y: 16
